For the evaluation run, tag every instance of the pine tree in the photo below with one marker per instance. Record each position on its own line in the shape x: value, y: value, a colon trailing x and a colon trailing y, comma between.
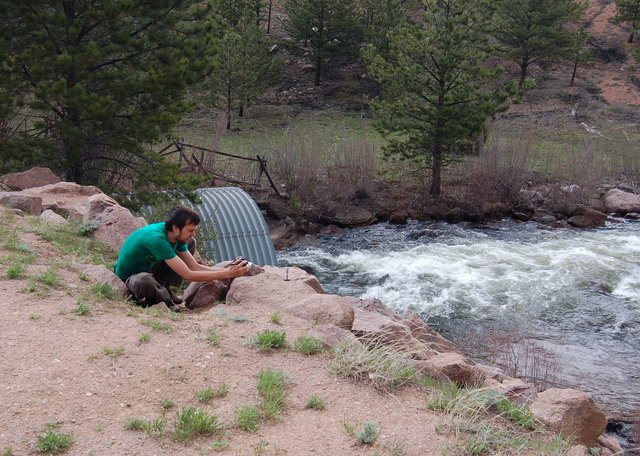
x: 105, y: 79
x: 436, y: 98
x: 534, y: 30
x: 380, y: 17
x: 244, y: 68
x: 329, y: 28
x: 628, y: 11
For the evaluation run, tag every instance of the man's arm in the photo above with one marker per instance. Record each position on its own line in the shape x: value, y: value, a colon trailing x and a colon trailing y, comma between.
x: 188, y: 268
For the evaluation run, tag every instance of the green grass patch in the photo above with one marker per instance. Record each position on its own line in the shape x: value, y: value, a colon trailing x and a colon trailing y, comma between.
x: 205, y: 395
x: 315, y: 402
x: 192, y: 422
x: 276, y: 317
x: 517, y: 414
x: 83, y: 309
x: 144, y: 338
x: 212, y: 337
x: 269, y: 340
x: 247, y: 418
x: 157, y: 325
x: 16, y: 271
x: 272, y: 388
x: 113, y: 352
x: 50, y: 278
x: 53, y: 442
x: 70, y: 238
x: 151, y: 427
x: 308, y: 345
x: 167, y: 404
x: 103, y: 292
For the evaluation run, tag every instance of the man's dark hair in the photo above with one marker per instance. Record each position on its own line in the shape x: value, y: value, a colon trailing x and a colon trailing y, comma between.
x: 180, y: 216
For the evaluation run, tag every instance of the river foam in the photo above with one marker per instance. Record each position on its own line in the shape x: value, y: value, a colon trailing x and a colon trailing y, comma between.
x: 571, y: 288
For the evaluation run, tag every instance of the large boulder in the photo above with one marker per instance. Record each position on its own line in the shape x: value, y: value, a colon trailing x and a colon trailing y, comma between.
x: 452, y: 366
x: 331, y: 335
x: 25, y: 203
x: 116, y: 222
x: 351, y: 216
x: 49, y: 216
x: 421, y: 331
x: 378, y: 327
x: 572, y: 412
x: 200, y: 295
x: 586, y: 217
x: 296, y: 274
x: 35, y: 177
x: 101, y: 274
x: 621, y: 202
x: 64, y: 198
x: 515, y: 389
x: 272, y: 291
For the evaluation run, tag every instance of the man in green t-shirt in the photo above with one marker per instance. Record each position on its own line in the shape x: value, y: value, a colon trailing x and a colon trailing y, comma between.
x: 158, y: 256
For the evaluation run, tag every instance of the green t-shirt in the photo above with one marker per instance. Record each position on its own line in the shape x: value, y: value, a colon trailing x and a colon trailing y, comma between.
x: 145, y: 247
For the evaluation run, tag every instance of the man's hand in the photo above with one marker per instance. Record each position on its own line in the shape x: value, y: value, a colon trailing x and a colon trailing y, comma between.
x: 238, y: 268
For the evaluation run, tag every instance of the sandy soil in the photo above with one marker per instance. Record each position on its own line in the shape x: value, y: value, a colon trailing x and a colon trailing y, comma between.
x: 55, y: 370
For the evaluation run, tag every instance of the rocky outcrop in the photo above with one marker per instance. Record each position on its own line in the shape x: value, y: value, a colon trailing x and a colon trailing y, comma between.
x: 621, y: 202
x: 200, y: 295
x: 26, y: 203
x: 351, y: 216
x: 64, y: 198
x: 586, y: 217
x: 101, y: 274
x: 332, y: 336
x: 572, y: 412
x: 116, y: 222
x: 34, y: 177
x: 451, y: 366
x: 295, y: 297
x: 296, y: 274
x: 49, y: 216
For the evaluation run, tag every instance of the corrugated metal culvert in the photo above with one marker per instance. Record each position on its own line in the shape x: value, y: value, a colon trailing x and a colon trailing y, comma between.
x: 239, y: 226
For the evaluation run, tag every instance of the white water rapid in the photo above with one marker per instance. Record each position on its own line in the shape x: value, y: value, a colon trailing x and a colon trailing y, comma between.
x: 576, y: 291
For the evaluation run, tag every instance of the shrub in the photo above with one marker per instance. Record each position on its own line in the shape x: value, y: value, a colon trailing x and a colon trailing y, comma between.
x: 385, y: 366
x: 52, y: 442
x: 368, y: 434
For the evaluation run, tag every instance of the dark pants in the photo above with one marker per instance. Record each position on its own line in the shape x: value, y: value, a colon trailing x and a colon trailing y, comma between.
x: 152, y: 287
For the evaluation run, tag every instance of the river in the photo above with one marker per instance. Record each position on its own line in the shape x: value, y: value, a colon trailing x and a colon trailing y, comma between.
x: 575, y: 294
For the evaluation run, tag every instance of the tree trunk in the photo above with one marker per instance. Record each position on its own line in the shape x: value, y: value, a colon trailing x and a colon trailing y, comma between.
x: 269, y: 17
x: 523, y: 75
x: 436, y: 170
x: 241, y: 111
x: 318, y: 69
x: 575, y: 69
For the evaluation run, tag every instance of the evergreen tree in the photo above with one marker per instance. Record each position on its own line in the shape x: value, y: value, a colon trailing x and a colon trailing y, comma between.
x: 244, y: 68
x: 105, y: 79
x: 533, y: 30
x: 380, y: 17
x: 436, y: 98
x: 329, y: 28
x: 628, y: 11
